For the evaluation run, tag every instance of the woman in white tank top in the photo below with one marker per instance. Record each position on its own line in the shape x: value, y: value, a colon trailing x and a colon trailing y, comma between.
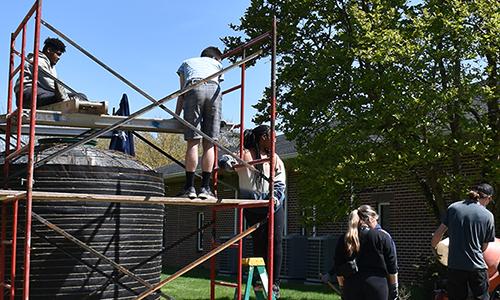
x: 252, y: 185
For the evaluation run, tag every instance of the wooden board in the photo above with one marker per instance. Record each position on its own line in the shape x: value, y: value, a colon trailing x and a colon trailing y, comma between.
x: 75, y: 105
x: 6, y: 195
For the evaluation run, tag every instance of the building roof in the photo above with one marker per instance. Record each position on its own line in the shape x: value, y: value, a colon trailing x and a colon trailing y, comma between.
x: 284, y: 148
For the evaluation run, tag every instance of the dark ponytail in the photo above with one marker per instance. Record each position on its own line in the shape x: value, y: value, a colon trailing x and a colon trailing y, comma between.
x: 252, y: 138
x: 249, y: 139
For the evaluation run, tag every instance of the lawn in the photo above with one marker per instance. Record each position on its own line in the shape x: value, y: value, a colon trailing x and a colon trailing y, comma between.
x: 195, y: 285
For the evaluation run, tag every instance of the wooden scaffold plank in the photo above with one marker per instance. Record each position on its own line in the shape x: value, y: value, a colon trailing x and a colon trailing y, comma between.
x: 6, y: 195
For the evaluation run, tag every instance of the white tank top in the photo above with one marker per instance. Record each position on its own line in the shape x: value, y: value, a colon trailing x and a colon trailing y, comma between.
x: 251, y: 181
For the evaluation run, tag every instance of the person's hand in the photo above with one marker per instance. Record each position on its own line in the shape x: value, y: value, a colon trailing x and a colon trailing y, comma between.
x: 393, y: 291
x: 325, y: 278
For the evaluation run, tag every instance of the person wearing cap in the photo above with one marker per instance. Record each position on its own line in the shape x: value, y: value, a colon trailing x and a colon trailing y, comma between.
x: 470, y: 228
x: 202, y: 108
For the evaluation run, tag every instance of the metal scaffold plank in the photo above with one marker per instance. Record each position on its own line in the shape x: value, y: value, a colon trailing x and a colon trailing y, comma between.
x: 59, y: 119
x: 45, y: 130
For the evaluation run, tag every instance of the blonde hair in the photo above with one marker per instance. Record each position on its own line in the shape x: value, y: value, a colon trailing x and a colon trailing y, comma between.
x: 352, y: 235
x: 361, y: 214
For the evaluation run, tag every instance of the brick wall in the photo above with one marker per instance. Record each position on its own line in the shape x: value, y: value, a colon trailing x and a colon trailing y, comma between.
x: 410, y: 224
x: 409, y: 221
x: 182, y: 220
x: 293, y: 211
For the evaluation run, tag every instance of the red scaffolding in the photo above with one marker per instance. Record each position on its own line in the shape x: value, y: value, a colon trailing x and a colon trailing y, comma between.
x: 14, y: 120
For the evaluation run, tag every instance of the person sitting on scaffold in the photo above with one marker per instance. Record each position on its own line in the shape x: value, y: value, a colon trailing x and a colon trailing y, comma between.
x: 49, y: 91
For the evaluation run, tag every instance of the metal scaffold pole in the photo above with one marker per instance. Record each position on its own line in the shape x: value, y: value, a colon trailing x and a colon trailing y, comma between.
x: 31, y: 159
x: 8, y: 197
x: 272, y: 161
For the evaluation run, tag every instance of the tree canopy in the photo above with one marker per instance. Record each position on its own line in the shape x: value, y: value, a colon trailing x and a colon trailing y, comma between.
x: 375, y: 91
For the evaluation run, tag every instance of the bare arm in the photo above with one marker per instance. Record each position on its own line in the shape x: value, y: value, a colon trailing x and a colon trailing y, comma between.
x: 393, y: 278
x: 280, y: 166
x: 247, y: 156
x: 180, y: 99
x: 438, y: 235
x: 340, y: 280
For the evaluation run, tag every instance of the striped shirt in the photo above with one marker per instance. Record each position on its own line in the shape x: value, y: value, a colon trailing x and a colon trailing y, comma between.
x: 199, y: 68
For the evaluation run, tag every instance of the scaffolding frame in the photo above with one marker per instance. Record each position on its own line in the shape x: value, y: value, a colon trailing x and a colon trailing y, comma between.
x: 15, y: 118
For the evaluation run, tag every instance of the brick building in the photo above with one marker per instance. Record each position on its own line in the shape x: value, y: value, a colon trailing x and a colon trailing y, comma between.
x: 402, y: 208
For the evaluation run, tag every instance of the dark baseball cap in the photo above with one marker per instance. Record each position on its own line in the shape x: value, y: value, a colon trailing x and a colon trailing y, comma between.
x: 485, y: 189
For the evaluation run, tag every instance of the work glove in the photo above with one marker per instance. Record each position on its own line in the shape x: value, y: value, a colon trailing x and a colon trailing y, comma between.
x: 227, y: 162
x: 393, y: 291
x: 325, y: 278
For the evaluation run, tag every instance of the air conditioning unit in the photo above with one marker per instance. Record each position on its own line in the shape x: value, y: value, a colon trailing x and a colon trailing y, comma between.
x: 228, y: 259
x: 294, y: 251
x: 319, y: 259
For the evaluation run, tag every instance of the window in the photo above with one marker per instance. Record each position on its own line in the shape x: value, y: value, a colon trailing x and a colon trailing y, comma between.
x: 384, y: 216
x: 199, y: 236
x: 310, y: 214
x: 383, y: 201
x: 303, y: 230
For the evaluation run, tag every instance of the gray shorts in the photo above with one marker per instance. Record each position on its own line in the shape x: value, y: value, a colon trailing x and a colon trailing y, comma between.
x: 202, y: 109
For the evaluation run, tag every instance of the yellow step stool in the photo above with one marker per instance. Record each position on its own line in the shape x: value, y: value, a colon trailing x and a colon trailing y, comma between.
x: 256, y: 263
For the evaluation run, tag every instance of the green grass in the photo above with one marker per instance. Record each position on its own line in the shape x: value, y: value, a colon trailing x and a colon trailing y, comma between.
x: 195, y: 285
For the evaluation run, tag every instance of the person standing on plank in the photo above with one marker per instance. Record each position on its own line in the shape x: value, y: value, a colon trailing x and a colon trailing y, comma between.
x: 202, y: 108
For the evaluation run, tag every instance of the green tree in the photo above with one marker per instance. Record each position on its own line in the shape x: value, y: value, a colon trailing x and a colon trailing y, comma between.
x: 374, y: 91
x: 173, y: 144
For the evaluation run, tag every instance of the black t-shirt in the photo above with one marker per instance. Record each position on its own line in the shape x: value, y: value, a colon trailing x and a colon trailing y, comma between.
x: 376, y: 255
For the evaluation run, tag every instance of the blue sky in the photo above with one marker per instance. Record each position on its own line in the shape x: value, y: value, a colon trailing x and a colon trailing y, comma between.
x: 144, y: 41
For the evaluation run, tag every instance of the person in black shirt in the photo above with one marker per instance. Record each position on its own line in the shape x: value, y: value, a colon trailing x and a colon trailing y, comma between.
x: 374, y: 274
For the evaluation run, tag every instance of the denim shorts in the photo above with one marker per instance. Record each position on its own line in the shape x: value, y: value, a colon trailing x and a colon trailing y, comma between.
x: 202, y: 109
